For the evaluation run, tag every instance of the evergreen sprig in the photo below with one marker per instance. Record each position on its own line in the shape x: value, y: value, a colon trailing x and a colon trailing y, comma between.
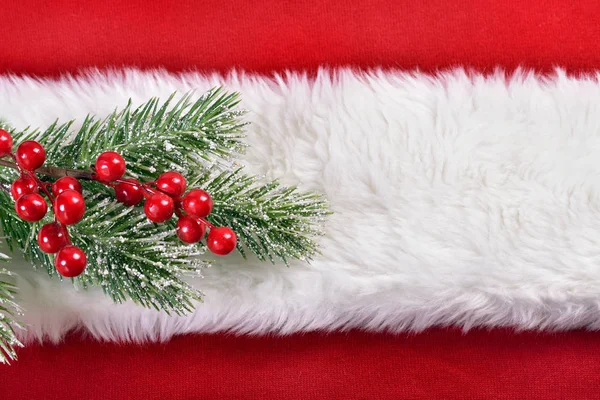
x: 132, y: 258
x: 182, y: 136
x: 8, y: 311
x: 272, y: 221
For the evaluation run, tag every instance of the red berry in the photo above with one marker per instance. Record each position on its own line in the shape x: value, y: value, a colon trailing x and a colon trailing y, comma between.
x: 130, y: 194
x: 110, y: 166
x: 52, y: 237
x: 172, y: 183
x: 197, y: 203
x: 70, y: 261
x: 23, y: 185
x: 30, y: 155
x: 69, y: 207
x: 159, y: 207
x: 66, y: 183
x: 31, y: 207
x: 189, y: 230
x: 221, y: 241
x: 6, y: 143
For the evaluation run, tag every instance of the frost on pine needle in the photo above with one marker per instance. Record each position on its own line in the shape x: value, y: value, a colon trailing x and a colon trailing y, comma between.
x: 132, y: 258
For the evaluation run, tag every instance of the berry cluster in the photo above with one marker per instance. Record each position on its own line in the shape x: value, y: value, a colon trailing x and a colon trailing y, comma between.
x: 163, y: 198
x: 66, y: 199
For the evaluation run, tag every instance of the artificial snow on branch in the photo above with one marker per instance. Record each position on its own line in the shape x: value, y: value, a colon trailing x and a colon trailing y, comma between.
x: 124, y: 250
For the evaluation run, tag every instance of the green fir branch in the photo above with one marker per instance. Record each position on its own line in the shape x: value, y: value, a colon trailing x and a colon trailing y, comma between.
x: 182, y: 136
x: 132, y: 258
x: 271, y: 220
x: 9, y: 309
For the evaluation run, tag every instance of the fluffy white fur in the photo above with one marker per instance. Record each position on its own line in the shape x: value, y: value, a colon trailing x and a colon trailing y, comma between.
x: 459, y: 199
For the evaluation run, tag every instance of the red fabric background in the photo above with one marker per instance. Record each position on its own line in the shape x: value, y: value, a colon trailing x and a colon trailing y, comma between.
x: 272, y: 35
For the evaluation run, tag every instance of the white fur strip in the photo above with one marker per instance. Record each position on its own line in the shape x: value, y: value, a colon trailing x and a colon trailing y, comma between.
x: 459, y: 199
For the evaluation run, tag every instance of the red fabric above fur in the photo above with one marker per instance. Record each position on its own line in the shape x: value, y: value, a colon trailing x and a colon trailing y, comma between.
x: 268, y: 35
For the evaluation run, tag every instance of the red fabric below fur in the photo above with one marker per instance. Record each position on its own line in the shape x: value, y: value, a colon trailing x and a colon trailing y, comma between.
x: 262, y: 36
x: 434, y: 365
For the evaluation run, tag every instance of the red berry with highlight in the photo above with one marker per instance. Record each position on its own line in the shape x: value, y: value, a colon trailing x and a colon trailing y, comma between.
x: 130, y: 194
x: 159, y: 207
x: 190, y: 230
x: 30, y: 155
x: 52, y: 237
x: 66, y: 183
x: 70, y: 261
x: 197, y: 203
x: 31, y: 207
x: 22, y: 186
x: 69, y: 207
x: 6, y: 143
x: 221, y: 241
x: 171, y: 183
x: 110, y: 166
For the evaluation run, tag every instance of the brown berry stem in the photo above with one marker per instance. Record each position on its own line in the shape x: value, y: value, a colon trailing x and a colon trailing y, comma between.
x: 53, y: 172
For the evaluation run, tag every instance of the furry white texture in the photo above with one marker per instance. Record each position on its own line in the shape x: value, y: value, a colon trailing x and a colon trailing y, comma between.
x: 459, y: 199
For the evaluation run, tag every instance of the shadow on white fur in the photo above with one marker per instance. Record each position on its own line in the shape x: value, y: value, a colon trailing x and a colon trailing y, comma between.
x: 459, y: 199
